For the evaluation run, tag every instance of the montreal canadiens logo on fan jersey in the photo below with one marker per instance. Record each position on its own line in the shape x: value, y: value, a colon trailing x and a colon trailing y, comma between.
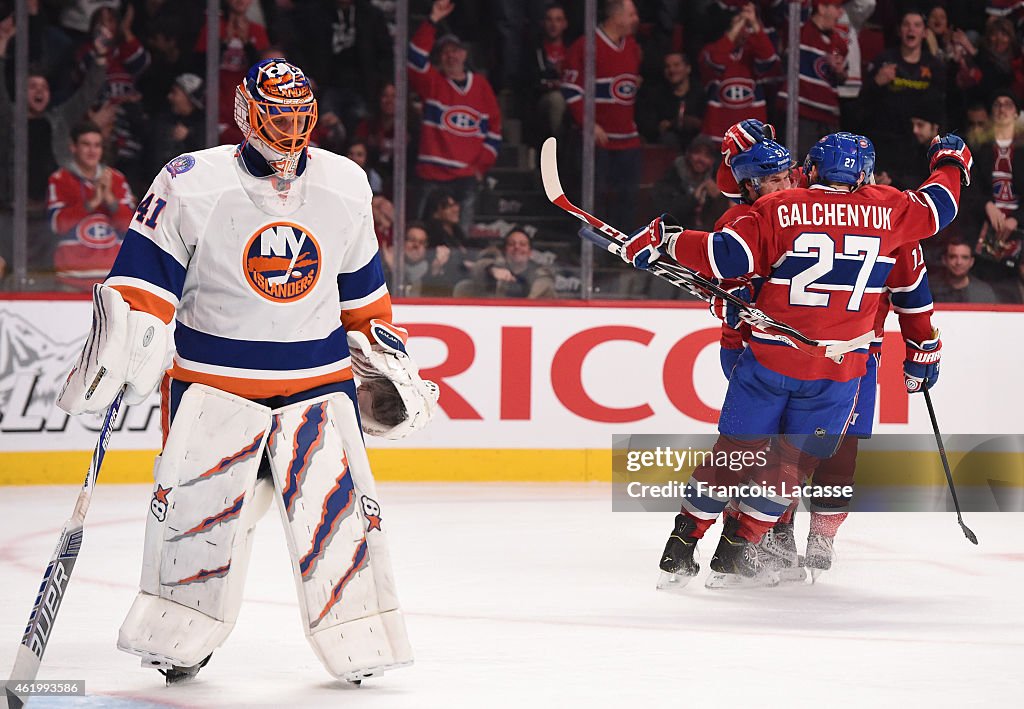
x: 282, y: 262
x: 624, y: 89
x: 462, y: 120
x: 96, y: 231
x: 736, y: 92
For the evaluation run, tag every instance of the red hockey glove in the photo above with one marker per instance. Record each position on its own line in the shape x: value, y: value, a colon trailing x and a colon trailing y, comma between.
x: 743, y: 135
x: 921, y: 367
x: 646, y: 245
x: 951, y: 150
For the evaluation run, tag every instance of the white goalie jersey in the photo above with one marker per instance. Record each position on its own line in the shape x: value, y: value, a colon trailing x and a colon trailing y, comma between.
x: 264, y: 282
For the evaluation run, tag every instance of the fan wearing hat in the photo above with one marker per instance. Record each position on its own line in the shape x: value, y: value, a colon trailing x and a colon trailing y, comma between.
x: 179, y: 127
x: 461, y: 130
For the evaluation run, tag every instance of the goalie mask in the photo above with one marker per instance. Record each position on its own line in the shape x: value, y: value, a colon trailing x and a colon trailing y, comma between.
x: 275, y: 109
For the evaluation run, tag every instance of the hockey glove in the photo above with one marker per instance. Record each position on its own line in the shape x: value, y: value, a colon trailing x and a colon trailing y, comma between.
x: 125, y: 348
x: 646, y: 245
x: 743, y: 135
x: 921, y: 367
x: 951, y: 150
x: 727, y: 311
x: 393, y: 400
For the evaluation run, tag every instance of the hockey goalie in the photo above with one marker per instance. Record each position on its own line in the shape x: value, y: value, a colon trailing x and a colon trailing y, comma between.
x: 264, y: 254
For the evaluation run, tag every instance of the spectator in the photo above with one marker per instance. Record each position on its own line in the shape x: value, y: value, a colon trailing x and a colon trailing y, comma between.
x: 348, y: 52
x: 671, y: 112
x: 999, y: 186
x: 180, y: 127
x: 508, y: 272
x: 444, y: 229
x: 979, y: 125
x: 49, y: 48
x: 359, y: 154
x: 127, y: 59
x: 898, y: 80
x: 383, y: 211
x: 909, y: 168
x: 425, y: 268
x: 3, y: 267
x: 688, y: 190
x: 617, y: 160
x: 241, y: 43
x: 822, y: 70
x: 168, y: 61
x: 378, y: 132
x: 461, y: 130
x: 854, y: 15
x: 954, y: 284
x: 732, y: 68
x: 998, y: 59
x: 1012, y: 290
x: 91, y: 208
x: 546, y: 76
x: 49, y: 125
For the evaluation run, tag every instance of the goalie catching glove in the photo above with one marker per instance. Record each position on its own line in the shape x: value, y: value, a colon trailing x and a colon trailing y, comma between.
x: 647, y: 244
x: 393, y: 400
x: 125, y: 348
x: 921, y: 367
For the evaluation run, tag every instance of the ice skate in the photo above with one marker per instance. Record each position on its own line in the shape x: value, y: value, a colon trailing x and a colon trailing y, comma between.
x: 818, y: 556
x: 779, y: 543
x: 177, y: 674
x: 677, y: 563
x: 740, y: 563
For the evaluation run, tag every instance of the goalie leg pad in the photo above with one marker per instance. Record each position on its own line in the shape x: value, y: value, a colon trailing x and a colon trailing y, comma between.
x: 336, y: 536
x: 199, y: 529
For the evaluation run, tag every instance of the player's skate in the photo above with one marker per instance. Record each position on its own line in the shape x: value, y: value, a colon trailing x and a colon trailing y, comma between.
x: 779, y: 543
x: 818, y: 556
x: 740, y: 563
x: 175, y: 674
x: 677, y: 563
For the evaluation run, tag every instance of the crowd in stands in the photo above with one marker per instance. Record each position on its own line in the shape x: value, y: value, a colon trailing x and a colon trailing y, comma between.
x: 117, y: 90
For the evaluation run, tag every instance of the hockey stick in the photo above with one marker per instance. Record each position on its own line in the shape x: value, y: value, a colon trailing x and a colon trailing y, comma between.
x: 58, y: 572
x: 611, y: 240
x: 971, y: 536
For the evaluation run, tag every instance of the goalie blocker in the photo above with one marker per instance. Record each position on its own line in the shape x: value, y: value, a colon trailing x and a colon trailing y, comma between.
x: 208, y: 496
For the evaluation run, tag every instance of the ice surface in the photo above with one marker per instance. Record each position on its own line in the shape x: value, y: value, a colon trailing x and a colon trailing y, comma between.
x: 540, y: 596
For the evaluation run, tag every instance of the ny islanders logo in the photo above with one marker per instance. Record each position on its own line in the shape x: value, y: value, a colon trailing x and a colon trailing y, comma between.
x: 282, y: 262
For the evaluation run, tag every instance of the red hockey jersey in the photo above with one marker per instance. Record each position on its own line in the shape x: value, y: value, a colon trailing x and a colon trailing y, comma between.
x: 461, y: 130
x: 819, y: 94
x: 827, y: 255
x: 618, y: 77
x: 731, y: 75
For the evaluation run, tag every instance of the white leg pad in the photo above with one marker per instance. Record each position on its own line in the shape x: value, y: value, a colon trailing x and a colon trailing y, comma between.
x: 336, y: 536
x: 199, y: 530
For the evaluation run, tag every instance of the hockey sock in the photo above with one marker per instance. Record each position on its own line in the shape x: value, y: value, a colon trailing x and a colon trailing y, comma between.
x: 703, y: 499
x: 759, y: 513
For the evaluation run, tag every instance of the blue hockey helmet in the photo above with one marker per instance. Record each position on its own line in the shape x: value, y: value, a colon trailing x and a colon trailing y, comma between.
x: 839, y: 159
x: 867, y: 151
x: 763, y: 159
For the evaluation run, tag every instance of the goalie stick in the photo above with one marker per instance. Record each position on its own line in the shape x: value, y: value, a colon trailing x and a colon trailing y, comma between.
x: 611, y: 239
x: 58, y: 572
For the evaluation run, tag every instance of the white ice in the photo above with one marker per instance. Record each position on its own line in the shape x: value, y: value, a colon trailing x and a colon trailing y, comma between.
x: 540, y: 596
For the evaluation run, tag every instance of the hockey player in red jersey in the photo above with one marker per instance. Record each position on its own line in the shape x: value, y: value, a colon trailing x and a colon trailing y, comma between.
x: 792, y: 238
x: 906, y: 288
